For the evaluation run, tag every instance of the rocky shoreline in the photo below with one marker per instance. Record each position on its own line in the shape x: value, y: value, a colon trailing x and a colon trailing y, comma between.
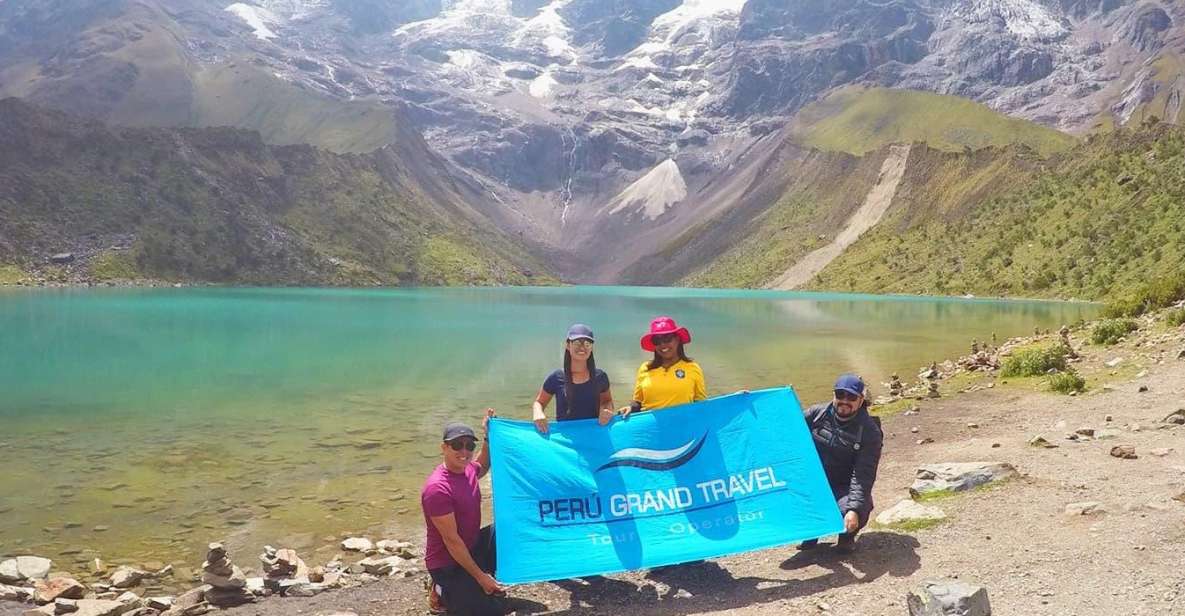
x: 130, y: 591
x: 32, y: 587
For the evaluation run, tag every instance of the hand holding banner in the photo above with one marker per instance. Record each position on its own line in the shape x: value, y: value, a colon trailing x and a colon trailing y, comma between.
x: 718, y: 477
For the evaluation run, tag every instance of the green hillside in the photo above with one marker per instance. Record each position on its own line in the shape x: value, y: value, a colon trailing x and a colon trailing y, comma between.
x: 218, y: 205
x: 1106, y: 218
x: 858, y: 120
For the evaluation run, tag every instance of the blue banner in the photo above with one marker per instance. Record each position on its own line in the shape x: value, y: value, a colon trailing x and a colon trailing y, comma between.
x: 726, y: 475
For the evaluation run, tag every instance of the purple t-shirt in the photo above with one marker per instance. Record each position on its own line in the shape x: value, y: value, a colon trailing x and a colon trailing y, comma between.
x: 446, y: 492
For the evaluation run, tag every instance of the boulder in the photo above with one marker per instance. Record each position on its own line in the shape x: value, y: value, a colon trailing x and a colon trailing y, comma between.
x: 15, y: 593
x: 65, y: 606
x: 128, y: 577
x: 909, y: 511
x: 160, y: 604
x: 101, y: 607
x: 959, y: 476
x: 1124, y: 452
x: 398, y: 548
x: 188, y: 602
x: 380, y: 566
x: 24, y: 568
x: 62, y: 258
x: 1177, y: 417
x: 1085, y: 508
x: 301, y: 588
x: 1040, y: 442
x: 46, y: 591
x: 948, y: 598
x: 357, y: 544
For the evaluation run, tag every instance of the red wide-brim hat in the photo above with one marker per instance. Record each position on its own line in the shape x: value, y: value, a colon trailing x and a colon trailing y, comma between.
x: 661, y: 326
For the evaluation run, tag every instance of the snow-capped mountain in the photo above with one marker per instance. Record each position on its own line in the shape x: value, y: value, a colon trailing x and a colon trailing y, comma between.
x: 594, y: 125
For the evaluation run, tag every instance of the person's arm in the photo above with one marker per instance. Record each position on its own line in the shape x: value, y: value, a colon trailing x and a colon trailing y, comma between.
x: 701, y: 388
x: 537, y: 414
x: 605, y: 404
x: 483, y: 458
x: 639, y: 395
x: 447, y: 525
x: 868, y: 459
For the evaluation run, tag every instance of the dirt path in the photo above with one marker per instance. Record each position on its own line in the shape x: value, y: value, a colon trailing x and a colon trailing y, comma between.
x: 874, y: 207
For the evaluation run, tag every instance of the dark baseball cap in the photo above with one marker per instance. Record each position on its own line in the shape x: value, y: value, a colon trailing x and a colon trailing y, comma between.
x: 580, y: 331
x: 850, y: 383
x: 456, y: 430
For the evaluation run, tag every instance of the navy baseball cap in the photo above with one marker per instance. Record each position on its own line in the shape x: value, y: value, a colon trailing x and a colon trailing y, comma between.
x: 850, y: 383
x: 580, y: 331
x: 456, y: 430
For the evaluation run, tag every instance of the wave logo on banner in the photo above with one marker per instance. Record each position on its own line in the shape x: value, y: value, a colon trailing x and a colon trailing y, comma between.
x: 655, y: 460
x: 718, y: 477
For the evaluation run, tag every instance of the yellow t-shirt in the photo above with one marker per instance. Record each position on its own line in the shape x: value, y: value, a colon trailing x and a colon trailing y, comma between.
x: 662, y: 387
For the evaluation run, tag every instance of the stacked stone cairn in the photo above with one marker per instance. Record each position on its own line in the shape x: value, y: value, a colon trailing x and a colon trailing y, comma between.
x: 228, y: 585
x: 896, y: 387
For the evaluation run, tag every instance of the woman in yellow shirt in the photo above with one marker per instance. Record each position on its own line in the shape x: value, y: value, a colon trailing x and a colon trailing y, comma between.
x: 671, y: 378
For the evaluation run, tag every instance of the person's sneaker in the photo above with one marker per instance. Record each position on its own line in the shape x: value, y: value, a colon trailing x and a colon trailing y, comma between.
x: 809, y: 544
x: 435, y: 603
x: 846, y: 544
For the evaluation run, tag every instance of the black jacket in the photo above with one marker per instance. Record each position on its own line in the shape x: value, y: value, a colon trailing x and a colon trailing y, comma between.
x: 850, y: 452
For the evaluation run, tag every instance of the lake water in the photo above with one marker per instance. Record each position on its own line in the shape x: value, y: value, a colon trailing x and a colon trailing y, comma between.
x: 138, y: 425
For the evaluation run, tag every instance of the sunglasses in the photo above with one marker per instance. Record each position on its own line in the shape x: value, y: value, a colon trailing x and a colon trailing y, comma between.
x: 460, y: 444
x: 846, y: 395
x: 662, y: 338
x: 581, y: 343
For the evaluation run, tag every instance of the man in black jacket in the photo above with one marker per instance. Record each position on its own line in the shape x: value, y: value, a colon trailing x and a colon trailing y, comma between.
x: 849, y: 441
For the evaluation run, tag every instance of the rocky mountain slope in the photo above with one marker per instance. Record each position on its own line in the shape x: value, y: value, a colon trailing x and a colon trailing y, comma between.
x: 598, y: 129
x: 218, y: 205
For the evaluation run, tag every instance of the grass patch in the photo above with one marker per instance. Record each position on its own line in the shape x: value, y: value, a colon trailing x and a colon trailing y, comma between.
x: 911, y: 526
x: 11, y: 274
x: 1175, y: 317
x: 938, y: 495
x: 1160, y: 292
x: 858, y: 120
x: 890, y: 409
x: 115, y: 266
x: 1109, y: 331
x: 1034, y: 361
x: 1067, y: 382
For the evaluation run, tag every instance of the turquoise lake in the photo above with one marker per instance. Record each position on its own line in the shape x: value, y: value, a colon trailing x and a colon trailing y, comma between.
x: 138, y: 425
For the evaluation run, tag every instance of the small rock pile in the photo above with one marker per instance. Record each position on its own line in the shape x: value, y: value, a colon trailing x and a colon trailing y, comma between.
x: 228, y: 585
x: 278, y: 564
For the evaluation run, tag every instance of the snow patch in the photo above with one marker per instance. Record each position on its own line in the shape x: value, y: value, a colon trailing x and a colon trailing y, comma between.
x: 654, y: 192
x: 1024, y: 19
x: 542, y: 86
x: 260, y: 19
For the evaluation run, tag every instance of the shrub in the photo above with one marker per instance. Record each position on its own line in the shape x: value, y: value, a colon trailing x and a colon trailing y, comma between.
x: 1109, y: 332
x: 1176, y: 317
x: 1067, y: 382
x: 1035, y: 361
x: 1160, y: 293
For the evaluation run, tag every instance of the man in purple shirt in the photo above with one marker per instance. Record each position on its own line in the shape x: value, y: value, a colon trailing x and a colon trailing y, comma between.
x: 460, y: 553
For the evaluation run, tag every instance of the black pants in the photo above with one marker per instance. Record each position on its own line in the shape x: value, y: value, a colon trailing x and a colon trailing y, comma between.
x: 461, y: 593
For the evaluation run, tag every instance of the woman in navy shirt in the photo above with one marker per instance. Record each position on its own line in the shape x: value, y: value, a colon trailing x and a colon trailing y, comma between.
x: 581, y: 391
